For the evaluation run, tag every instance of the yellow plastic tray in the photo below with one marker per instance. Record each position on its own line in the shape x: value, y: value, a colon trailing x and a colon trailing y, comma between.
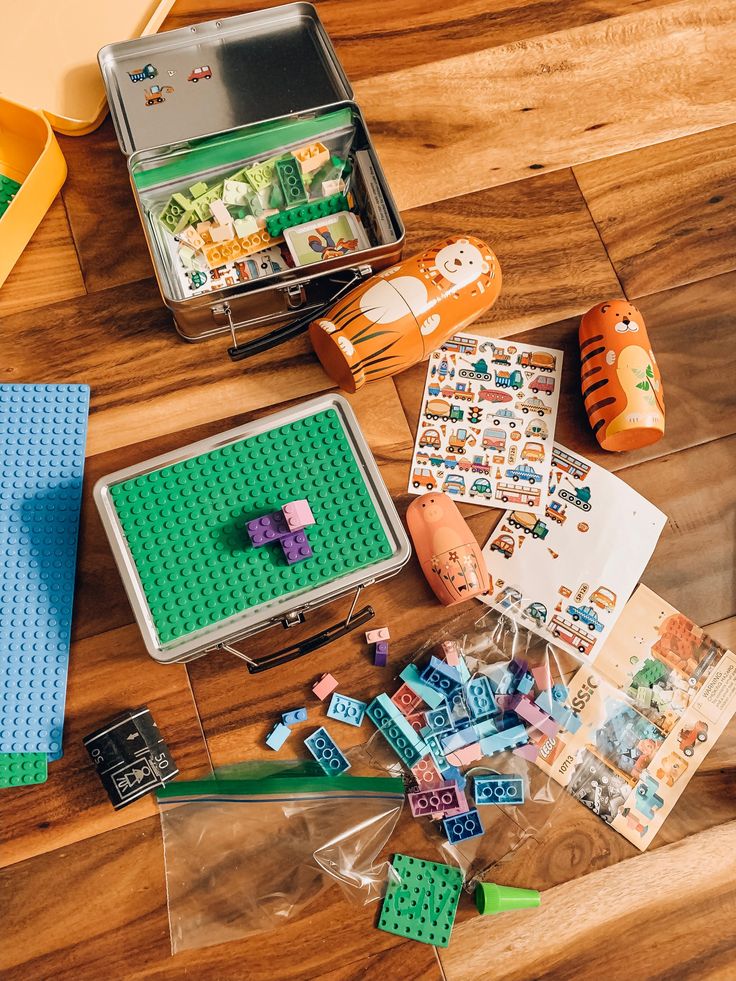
x: 30, y: 154
x: 48, y: 55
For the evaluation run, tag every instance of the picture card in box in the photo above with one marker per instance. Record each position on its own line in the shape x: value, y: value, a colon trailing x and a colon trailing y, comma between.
x: 326, y: 238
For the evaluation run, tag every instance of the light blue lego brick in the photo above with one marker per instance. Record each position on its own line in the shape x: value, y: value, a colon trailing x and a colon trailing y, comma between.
x: 560, y: 692
x: 526, y: 683
x: 458, y: 707
x: 507, y: 739
x: 496, y: 788
x: 42, y: 437
x: 454, y: 774
x: 463, y: 826
x: 434, y: 747
x: 479, y: 696
x: 463, y: 670
x: 441, y: 676
x: 456, y: 740
x: 431, y: 696
x: 573, y: 722
x: 296, y: 715
x: 345, y: 709
x: 397, y: 732
x: 563, y: 715
x: 485, y: 727
x: 326, y: 752
x: 439, y: 720
x: 278, y: 736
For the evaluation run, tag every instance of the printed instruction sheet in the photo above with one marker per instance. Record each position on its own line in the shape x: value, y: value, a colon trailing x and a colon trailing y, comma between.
x: 660, y: 695
x: 567, y: 575
x: 487, y: 422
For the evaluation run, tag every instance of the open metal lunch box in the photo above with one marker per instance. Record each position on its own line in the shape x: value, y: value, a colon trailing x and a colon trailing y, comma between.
x: 271, y: 71
x: 197, y: 501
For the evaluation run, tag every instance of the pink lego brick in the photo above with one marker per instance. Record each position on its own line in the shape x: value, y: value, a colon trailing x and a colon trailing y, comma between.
x: 426, y: 773
x: 541, y: 677
x: 465, y: 755
x: 527, y: 752
x: 406, y: 700
x: 417, y: 720
x: 438, y: 801
x: 298, y: 515
x: 506, y: 702
x: 325, y: 686
x: 462, y: 806
x: 531, y: 713
x: 377, y: 635
x: 450, y: 653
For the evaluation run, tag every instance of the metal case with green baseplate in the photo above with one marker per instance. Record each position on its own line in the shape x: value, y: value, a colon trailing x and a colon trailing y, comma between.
x: 266, y: 81
x: 177, y: 525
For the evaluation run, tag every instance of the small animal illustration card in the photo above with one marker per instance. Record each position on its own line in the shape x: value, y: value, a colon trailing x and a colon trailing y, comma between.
x: 326, y: 238
x: 568, y: 574
x: 645, y: 717
x: 487, y: 423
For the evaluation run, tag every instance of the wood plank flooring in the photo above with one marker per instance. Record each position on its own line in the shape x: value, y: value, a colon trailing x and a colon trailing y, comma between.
x: 591, y: 144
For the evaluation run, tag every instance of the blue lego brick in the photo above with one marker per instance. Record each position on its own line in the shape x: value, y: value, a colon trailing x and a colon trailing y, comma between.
x: 278, y: 736
x: 397, y: 732
x: 430, y: 695
x: 463, y: 826
x: 441, y: 676
x: 454, y: 774
x: 456, y: 740
x: 458, y: 707
x: 512, y: 675
x: 434, y: 746
x: 296, y: 715
x: 508, y: 739
x: 497, y: 788
x: 486, y: 727
x: 345, y: 709
x: 479, y: 697
x: 560, y: 692
x: 554, y: 707
x: 326, y: 752
x: 439, y: 719
x: 463, y: 670
x: 526, y: 683
x: 42, y: 437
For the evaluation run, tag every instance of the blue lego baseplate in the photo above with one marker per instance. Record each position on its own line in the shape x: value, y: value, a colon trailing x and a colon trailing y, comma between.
x: 43, y: 429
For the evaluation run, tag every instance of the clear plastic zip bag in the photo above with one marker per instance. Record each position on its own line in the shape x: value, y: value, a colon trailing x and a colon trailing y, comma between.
x: 249, y: 847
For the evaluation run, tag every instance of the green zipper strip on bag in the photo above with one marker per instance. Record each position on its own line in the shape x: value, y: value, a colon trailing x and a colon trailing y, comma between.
x: 279, y: 785
x: 218, y: 151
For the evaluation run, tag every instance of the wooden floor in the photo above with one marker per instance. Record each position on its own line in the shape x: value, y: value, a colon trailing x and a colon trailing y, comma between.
x: 593, y: 144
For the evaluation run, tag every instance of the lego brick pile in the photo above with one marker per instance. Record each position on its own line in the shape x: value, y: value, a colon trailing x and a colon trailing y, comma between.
x: 239, y: 228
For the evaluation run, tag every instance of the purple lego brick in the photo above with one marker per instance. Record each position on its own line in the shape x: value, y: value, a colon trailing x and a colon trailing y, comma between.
x: 296, y: 547
x: 297, y: 515
x: 268, y: 528
x: 380, y: 654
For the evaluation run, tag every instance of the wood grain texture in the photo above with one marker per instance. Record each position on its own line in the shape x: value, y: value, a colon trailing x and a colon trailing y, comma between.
x: 108, y: 674
x: 47, y: 271
x: 667, y: 213
x: 551, y: 102
x: 686, y: 892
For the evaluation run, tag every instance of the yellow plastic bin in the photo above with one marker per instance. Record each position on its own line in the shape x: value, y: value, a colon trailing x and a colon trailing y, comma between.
x: 30, y: 155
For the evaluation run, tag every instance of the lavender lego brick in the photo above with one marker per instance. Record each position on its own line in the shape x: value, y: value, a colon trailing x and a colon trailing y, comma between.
x: 268, y: 528
x: 380, y: 654
x: 296, y: 547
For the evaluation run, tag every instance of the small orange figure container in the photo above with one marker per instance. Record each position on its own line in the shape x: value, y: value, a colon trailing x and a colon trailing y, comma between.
x: 448, y: 553
x: 397, y: 318
x: 622, y: 387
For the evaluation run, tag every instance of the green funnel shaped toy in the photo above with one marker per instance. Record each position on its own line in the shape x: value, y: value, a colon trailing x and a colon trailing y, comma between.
x: 490, y: 898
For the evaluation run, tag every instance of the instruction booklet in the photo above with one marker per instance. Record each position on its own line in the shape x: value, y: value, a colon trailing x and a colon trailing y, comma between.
x: 568, y: 574
x: 487, y: 422
x: 660, y: 695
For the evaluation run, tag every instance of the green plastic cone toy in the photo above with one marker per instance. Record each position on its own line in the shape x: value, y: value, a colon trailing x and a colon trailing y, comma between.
x: 490, y: 898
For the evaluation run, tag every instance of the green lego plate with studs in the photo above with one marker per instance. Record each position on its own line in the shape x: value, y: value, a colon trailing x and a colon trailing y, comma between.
x: 423, y: 903
x: 22, y: 769
x: 185, y: 524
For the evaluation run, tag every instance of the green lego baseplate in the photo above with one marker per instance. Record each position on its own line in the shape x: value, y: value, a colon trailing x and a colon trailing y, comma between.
x: 423, y: 903
x: 185, y: 524
x: 22, y: 769
x: 8, y: 189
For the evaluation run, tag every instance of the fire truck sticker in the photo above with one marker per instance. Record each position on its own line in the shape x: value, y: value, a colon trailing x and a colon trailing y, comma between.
x: 570, y: 579
x: 487, y: 423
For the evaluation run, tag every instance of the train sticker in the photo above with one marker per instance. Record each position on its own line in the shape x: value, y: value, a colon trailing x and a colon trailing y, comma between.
x: 488, y: 416
x: 580, y: 572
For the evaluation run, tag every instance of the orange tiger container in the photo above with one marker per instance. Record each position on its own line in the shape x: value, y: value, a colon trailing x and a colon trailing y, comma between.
x: 622, y: 387
x: 397, y: 318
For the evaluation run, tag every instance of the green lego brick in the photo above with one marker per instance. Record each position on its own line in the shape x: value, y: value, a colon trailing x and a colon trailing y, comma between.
x: 290, y: 180
x: 185, y: 524
x: 306, y: 212
x: 177, y: 213
x: 422, y: 905
x: 201, y: 207
x: 8, y: 189
x: 22, y: 769
x: 259, y: 176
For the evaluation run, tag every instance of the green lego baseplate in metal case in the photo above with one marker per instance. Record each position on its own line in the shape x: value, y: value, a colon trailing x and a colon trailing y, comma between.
x: 177, y: 528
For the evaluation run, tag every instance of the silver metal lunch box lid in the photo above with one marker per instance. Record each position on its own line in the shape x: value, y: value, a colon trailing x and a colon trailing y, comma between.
x: 201, y: 80
x: 336, y: 420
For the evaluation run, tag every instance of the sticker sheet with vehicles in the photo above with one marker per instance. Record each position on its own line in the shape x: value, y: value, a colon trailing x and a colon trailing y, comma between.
x: 568, y: 573
x: 660, y: 695
x: 487, y: 422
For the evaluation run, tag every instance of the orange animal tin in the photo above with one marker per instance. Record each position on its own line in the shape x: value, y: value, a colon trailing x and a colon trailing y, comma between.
x: 622, y: 387
x: 395, y: 319
x: 448, y: 553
